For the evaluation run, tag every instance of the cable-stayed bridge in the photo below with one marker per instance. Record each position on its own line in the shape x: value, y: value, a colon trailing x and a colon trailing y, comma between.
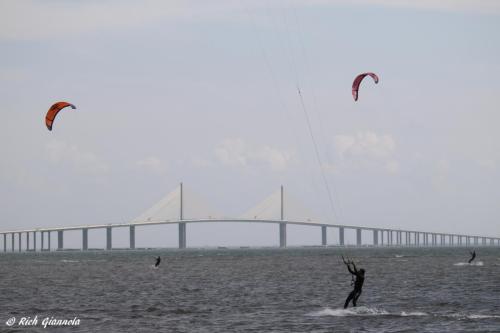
x: 184, y: 207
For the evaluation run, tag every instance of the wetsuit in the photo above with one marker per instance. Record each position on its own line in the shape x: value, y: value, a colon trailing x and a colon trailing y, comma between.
x: 157, y: 262
x: 358, y: 285
x: 473, y: 254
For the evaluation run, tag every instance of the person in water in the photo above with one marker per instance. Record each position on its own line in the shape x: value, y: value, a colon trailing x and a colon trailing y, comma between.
x: 473, y: 256
x: 158, y: 260
x: 358, y: 283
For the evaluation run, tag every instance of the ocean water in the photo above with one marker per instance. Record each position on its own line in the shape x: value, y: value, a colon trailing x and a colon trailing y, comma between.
x: 252, y: 290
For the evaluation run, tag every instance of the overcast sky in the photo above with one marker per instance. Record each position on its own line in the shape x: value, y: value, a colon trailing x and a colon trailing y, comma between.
x: 206, y: 93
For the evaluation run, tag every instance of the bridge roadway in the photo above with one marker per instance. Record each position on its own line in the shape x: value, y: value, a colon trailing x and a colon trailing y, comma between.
x: 381, y: 236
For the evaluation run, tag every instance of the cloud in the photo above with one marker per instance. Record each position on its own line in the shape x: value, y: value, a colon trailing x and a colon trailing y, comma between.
x: 238, y: 153
x: 86, y: 162
x: 364, y: 149
x: 152, y: 164
x: 364, y: 145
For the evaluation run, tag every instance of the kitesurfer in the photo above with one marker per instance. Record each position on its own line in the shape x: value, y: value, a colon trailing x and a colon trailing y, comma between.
x: 358, y: 282
x: 473, y: 256
x: 158, y: 260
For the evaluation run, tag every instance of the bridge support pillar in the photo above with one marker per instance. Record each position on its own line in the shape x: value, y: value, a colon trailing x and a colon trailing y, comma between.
x: 12, y: 242
x: 85, y: 239
x: 476, y: 240
x: 323, y: 236
x: 19, y: 241
x: 109, y: 238
x: 48, y: 241
x: 42, y: 240
x: 132, y: 236
x: 452, y: 240
x: 34, y: 241
x: 417, y: 239
x: 390, y: 237
x: 381, y: 237
x: 282, y: 234
x: 341, y: 236
x: 182, y: 235
x: 399, y: 237
x: 4, y: 242
x: 60, y: 240
x: 491, y: 242
x: 358, y: 237
x: 375, y: 237
x: 484, y: 241
x: 27, y: 241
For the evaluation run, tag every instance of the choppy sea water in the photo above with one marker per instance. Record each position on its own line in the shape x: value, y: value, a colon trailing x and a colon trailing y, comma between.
x: 253, y: 290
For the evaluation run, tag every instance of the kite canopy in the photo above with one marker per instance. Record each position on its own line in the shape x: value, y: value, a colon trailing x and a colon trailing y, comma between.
x: 357, y: 82
x: 53, y: 111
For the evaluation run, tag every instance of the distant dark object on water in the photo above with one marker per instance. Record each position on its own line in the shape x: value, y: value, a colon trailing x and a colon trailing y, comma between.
x: 473, y: 256
x: 158, y: 260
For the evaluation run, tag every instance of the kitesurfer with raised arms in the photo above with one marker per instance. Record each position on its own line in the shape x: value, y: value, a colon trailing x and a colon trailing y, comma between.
x: 358, y: 282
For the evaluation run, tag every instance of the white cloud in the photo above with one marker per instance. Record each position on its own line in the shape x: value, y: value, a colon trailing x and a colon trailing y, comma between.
x: 364, y: 150
x: 363, y: 145
x: 152, y: 164
x: 236, y: 152
x: 87, y: 162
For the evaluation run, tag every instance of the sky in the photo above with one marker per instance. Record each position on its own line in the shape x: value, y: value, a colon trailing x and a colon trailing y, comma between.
x: 207, y: 94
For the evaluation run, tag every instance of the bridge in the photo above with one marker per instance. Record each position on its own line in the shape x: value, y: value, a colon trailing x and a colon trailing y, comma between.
x: 171, y: 210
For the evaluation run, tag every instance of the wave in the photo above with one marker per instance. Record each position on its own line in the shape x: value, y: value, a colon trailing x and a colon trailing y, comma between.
x: 362, y: 311
x: 367, y: 311
x: 471, y: 316
x: 67, y: 260
x: 474, y: 263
